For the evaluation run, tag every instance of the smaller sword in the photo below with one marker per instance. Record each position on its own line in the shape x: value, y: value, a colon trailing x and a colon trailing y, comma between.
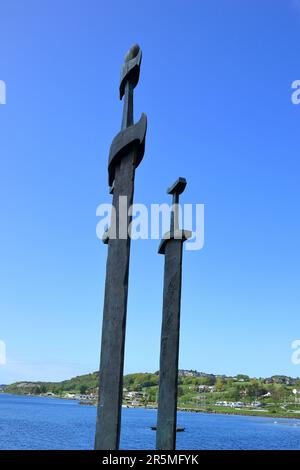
x: 171, y: 247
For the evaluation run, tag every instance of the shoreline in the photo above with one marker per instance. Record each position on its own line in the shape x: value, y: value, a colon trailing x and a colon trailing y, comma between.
x: 250, y: 414
x: 234, y: 412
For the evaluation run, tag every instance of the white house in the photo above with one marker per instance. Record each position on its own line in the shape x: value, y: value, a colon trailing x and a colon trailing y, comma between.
x: 230, y: 404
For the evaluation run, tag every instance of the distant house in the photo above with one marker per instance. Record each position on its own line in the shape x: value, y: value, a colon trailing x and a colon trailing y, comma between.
x: 133, y: 398
x: 81, y: 397
x: 135, y: 403
x: 296, y: 391
x: 231, y: 404
x: 188, y: 373
x: 256, y: 404
x: 134, y: 395
x: 90, y: 396
x: 279, y: 379
x: 206, y: 388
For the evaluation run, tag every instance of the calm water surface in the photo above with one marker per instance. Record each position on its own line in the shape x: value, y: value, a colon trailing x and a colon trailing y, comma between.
x: 50, y: 423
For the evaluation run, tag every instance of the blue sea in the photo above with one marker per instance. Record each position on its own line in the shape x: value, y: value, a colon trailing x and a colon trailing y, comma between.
x: 50, y: 423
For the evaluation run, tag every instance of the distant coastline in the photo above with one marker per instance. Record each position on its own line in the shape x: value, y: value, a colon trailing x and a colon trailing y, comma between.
x: 274, y: 397
x: 223, y: 412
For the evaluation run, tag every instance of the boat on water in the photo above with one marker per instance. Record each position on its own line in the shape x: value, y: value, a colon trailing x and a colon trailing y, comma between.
x: 179, y: 429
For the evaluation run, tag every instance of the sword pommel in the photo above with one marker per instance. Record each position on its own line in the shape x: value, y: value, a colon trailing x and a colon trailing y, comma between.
x: 178, y: 187
x: 131, y: 68
x: 132, y: 53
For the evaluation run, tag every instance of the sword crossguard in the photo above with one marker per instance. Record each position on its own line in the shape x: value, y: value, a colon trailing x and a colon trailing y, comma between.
x: 131, y: 137
x: 105, y: 237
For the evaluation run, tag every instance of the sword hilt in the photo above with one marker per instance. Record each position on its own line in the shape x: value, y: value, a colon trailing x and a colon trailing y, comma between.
x: 176, y: 189
x: 130, y: 74
x: 132, y: 136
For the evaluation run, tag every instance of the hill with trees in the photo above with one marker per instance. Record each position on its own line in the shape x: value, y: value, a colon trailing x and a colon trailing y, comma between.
x: 278, y: 394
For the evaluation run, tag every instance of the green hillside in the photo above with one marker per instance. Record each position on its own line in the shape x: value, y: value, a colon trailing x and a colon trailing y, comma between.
x: 81, y: 384
x: 194, y: 389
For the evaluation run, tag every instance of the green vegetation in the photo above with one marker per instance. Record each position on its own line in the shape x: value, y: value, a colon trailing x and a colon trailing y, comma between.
x: 137, y: 382
x: 82, y: 384
x: 196, y: 391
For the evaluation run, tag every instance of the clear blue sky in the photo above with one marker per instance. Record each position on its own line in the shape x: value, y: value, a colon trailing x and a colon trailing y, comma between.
x: 216, y: 86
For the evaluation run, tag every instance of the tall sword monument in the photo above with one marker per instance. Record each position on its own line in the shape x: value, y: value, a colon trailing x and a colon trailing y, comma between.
x: 126, y: 153
x: 171, y: 248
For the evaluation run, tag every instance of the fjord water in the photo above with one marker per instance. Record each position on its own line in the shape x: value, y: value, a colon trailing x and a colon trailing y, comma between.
x: 50, y: 423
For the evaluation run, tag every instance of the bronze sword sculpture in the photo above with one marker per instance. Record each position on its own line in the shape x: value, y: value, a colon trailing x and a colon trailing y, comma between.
x: 126, y: 153
x: 171, y: 247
